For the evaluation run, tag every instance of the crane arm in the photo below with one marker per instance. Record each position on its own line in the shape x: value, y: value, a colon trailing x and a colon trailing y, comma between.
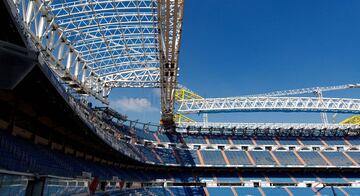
x: 306, y: 90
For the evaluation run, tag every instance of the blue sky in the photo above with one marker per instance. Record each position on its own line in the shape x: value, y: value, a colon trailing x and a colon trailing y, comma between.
x: 238, y: 47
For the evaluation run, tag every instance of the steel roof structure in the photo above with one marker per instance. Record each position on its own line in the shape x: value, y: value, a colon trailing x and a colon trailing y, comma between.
x: 97, y: 45
x: 269, y: 104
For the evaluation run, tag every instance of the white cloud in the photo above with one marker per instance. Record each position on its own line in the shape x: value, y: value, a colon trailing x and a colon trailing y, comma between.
x: 133, y: 105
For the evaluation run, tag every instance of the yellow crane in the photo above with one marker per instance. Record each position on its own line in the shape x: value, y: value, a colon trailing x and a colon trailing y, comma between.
x: 183, y: 93
x: 351, y: 120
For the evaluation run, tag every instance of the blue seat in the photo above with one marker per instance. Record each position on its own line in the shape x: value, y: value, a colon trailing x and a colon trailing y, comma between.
x: 288, y: 141
x: 218, y: 139
x: 262, y: 158
x: 237, y: 157
x: 312, y: 158
x: 287, y: 158
x: 245, y: 191
x: 166, y: 155
x: 194, y: 139
x: 302, y: 191
x: 275, y: 191
x: 241, y: 140
x: 217, y: 191
x: 212, y: 157
x: 265, y: 141
x: 354, y: 155
x: 337, y: 158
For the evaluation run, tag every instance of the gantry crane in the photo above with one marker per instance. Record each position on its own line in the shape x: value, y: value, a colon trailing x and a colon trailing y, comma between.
x: 318, y: 91
x: 183, y: 93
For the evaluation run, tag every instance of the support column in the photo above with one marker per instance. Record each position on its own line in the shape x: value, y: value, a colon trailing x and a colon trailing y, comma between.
x: 300, y: 142
x: 347, y: 142
x: 200, y: 157
x: 230, y: 141
x: 157, y: 138
x: 225, y: 157
x: 234, y: 191
x: 351, y: 159
x: 178, y: 159
x: 261, y: 191
x: 325, y: 159
x: 323, y: 142
x: 288, y: 191
x: 207, y: 140
x: 275, y: 158
x: 156, y: 155
x: 299, y: 157
x: 206, y: 191
x: 250, y: 158
x: 253, y: 141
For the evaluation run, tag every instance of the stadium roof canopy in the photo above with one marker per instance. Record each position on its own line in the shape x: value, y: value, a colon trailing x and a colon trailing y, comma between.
x: 97, y: 45
x: 116, y: 39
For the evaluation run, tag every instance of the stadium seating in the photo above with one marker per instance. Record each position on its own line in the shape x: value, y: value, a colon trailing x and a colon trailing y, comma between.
x: 354, y: 155
x: 262, y: 158
x: 301, y: 191
x: 312, y: 158
x: 212, y: 157
x: 227, y: 177
x: 242, y: 191
x: 288, y: 141
x: 237, y: 157
x: 64, y: 187
x: 187, y: 157
x: 275, y: 177
x: 166, y: 155
x: 334, y: 141
x: 194, y: 139
x: 274, y: 191
x: 218, y: 140
x: 248, y: 176
x: 354, y: 140
x: 328, y: 191
x: 311, y: 141
x: 148, y: 154
x: 169, y: 138
x: 12, y: 185
x: 213, y: 191
x: 265, y: 141
x: 242, y: 141
x: 337, y: 158
x: 330, y: 178
x: 148, y: 135
x: 287, y: 158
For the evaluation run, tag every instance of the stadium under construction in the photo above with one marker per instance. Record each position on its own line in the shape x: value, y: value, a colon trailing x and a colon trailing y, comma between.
x: 53, y: 141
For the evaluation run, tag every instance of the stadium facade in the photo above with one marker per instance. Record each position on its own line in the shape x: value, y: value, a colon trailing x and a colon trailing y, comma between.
x: 53, y: 142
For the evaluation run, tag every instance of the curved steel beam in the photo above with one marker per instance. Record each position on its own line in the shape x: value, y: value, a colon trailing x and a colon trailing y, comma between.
x: 269, y: 104
x: 271, y: 126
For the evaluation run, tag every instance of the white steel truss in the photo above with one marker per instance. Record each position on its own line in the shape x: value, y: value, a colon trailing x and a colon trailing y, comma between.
x: 170, y: 13
x: 314, y: 90
x: 266, y: 104
x: 97, y: 45
x: 272, y: 126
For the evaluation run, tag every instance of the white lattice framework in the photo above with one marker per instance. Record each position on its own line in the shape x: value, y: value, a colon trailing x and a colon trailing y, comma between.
x: 314, y: 90
x: 171, y: 13
x: 97, y: 45
x: 284, y: 104
x: 271, y: 126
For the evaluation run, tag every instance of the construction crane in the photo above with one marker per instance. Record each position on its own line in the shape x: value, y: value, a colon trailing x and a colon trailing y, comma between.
x: 314, y: 90
x: 183, y: 93
x: 318, y: 91
x: 352, y: 120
